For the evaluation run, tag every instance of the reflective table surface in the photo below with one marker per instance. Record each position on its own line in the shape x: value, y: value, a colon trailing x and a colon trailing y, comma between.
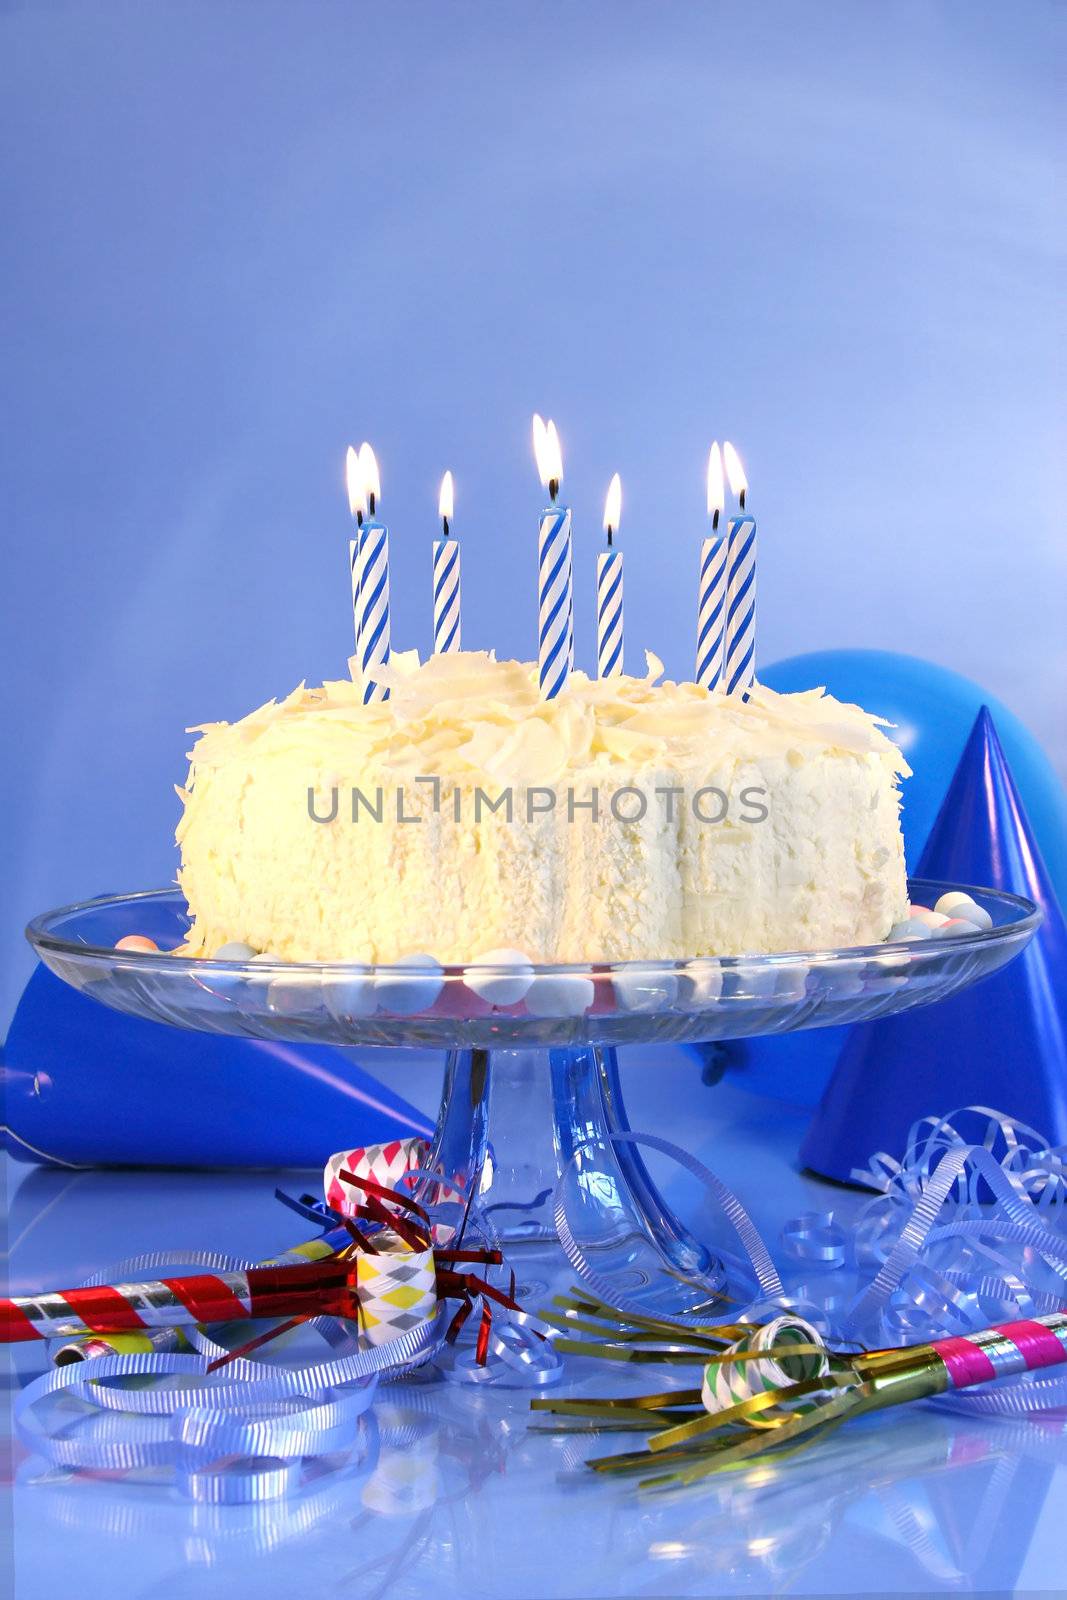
x: 460, y: 1499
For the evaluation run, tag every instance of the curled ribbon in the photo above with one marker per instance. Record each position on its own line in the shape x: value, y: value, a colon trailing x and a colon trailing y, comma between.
x: 728, y: 1381
x: 963, y: 1233
x: 814, y: 1237
x: 242, y: 1437
x: 245, y: 1433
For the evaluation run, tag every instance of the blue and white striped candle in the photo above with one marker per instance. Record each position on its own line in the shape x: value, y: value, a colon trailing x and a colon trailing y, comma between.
x: 357, y: 499
x: 609, y: 591
x: 446, y: 577
x: 711, y: 602
x: 556, y: 458
x: 555, y: 571
x: 373, y: 561
x: 740, y: 584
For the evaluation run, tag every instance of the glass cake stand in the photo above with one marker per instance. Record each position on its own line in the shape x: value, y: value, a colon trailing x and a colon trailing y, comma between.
x: 531, y: 1065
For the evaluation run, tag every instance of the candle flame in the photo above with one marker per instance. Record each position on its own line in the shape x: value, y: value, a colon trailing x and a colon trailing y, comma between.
x: 716, y: 486
x: 734, y: 470
x: 539, y: 439
x: 557, y: 453
x: 357, y: 494
x: 446, y: 498
x: 368, y: 466
x: 547, y: 451
x: 613, y: 505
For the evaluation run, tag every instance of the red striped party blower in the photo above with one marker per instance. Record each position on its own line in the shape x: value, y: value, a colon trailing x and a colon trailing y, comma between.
x: 387, y: 1281
x: 770, y: 1387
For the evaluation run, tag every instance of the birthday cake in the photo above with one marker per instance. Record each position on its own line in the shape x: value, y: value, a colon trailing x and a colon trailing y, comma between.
x: 626, y: 819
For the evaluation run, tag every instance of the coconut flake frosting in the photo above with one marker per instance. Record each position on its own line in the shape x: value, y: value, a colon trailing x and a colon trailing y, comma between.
x: 464, y: 813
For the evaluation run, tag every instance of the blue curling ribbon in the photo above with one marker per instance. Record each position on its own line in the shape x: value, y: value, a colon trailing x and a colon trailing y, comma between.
x: 962, y: 1235
x: 240, y: 1436
x: 966, y: 1231
x: 266, y: 1419
x: 815, y: 1237
x: 948, y: 1259
x: 253, y: 1431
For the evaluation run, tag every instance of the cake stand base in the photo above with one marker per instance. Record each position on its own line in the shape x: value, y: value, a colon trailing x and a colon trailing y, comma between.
x: 549, y: 1117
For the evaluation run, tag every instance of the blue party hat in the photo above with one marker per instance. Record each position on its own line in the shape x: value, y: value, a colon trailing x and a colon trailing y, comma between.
x: 1002, y: 1043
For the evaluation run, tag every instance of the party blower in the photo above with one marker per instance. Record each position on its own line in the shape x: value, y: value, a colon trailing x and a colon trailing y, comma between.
x: 770, y: 1386
x: 386, y: 1274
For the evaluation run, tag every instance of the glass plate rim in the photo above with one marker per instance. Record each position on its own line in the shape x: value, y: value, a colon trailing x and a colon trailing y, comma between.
x: 1029, y: 920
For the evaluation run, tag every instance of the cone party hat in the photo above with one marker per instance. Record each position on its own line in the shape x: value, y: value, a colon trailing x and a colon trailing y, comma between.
x: 1002, y: 1043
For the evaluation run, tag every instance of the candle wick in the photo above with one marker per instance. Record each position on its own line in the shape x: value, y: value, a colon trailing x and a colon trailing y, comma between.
x: 715, y: 520
x: 741, y: 498
x: 359, y: 517
x: 372, y: 503
x: 444, y: 524
x: 611, y: 536
x: 553, y: 489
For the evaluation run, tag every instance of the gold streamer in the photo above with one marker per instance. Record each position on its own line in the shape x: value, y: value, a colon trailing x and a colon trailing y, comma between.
x: 690, y: 1433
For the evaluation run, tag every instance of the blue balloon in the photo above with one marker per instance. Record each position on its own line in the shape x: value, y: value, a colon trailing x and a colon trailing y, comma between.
x: 934, y: 711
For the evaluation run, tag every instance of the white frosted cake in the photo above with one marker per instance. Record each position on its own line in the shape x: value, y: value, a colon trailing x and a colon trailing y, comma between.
x: 457, y: 817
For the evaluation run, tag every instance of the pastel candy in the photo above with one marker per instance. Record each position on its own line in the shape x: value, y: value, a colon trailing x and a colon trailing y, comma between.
x: 295, y: 994
x: 354, y: 995
x: 406, y: 996
x: 137, y: 941
x: 841, y: 983
x: 932, y: 919
x: 912, y: 928
x: 559, y: 994
x: 640, y: 988
x: 235, y: 951
x: 792, y: 982
x: 751, y: 980
x: 264, y: 980
x: 700, y: 984
x: 954, y: 928
x: 958, y: 904
x: 504, y: 988
x: 949, y: 904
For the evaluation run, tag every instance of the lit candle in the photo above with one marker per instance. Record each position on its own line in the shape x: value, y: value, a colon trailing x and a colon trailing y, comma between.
x: 555, y: 570
x: 711, y: 604
x: 357, y: 499
x: 373, y: 583
x: 609, y: 595
x: 741, y: 584
x: 446, y: 576
x: 557, y: 457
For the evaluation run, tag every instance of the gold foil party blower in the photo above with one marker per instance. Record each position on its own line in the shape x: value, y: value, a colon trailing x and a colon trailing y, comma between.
x: 768, y: 1387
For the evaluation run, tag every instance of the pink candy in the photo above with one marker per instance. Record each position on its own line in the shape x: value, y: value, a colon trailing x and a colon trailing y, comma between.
x: 138, y: 941
x: 932, y: 919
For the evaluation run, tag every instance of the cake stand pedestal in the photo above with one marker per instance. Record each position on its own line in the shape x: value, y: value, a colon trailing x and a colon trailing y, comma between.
x: 551, y: 1112
x: 536, y: 1079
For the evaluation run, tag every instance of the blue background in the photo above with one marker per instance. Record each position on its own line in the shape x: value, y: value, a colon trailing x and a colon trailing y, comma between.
x: 240, y: 235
